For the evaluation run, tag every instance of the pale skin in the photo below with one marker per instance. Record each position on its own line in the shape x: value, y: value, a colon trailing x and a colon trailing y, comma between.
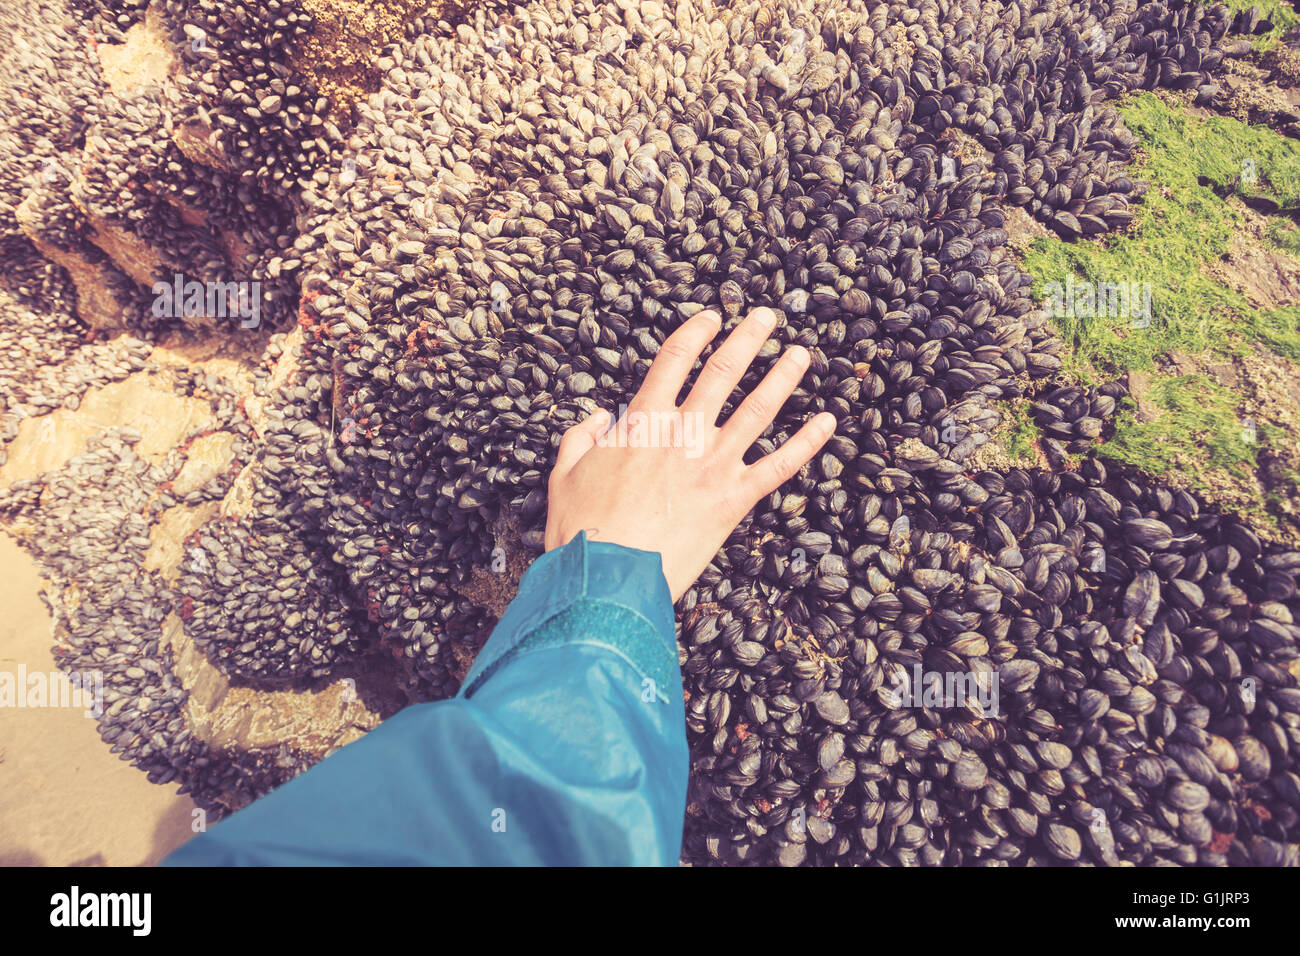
x: 683, y: 499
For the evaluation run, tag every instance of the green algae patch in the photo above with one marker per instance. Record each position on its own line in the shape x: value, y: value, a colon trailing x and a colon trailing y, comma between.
x: 1014, y: 443
x: 1022, y: 435
x: 1190, y: 430
x: 1284, y: 234
x: 1186, y: 422
x: 1205, y: 176
x: 1181, y: 224
x: 1279, y: 13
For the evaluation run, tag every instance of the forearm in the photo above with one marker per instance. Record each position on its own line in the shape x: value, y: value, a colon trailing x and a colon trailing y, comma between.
x: 565, y: 745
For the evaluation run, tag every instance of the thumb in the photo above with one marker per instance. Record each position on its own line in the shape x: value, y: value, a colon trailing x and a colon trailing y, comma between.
x: 580, y: 439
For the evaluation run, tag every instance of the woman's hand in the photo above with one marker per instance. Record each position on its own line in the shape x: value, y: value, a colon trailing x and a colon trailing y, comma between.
x: 665, y: 478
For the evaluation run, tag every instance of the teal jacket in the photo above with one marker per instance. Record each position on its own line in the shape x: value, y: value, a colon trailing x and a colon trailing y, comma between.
x: 565, y: 746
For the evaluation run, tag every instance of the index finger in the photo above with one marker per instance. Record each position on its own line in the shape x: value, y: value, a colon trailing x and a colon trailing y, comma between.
x: 675, y: 359
x: 725, y: 368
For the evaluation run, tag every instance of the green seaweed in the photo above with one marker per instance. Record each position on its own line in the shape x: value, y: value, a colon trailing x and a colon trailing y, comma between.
x: 1182, y: 224
x: 1284, y: 234
x: 1018, y: 434
x: 1195, y: 423
x: 1278, y: 12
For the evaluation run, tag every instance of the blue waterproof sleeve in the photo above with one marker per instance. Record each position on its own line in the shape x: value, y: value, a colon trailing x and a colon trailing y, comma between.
x: 565, y: 745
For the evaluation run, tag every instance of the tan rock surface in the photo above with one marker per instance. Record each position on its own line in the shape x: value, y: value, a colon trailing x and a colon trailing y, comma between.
x: 226, y: 715
x: 206, y: 457
x: 97, y: 304
x: 167, y: 537
x: 137, y: 258
x: 196, y: 140
x: 65, y: 799
x: 164, y: 418
x: 145, y: 58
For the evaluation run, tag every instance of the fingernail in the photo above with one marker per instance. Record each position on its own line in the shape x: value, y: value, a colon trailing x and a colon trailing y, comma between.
x: 828, y: 423
x: 767, y: 317
x: 799, y: 355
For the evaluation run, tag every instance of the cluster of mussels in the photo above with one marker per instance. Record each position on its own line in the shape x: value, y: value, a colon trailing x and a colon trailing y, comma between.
x: 103, y: 191
x: 535, y: 199
x: 89, y: 524
x: 128, y: 183
x: 532, y: 203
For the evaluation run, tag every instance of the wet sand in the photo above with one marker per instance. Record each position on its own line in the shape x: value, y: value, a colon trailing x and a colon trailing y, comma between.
x: 65, y: 799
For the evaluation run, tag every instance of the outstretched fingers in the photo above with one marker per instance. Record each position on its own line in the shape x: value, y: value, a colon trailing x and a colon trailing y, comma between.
x: 770, y: 472
x: 725, y: 367
x: 674, y: 361
x: 761, y: 406
x: 579, y: 440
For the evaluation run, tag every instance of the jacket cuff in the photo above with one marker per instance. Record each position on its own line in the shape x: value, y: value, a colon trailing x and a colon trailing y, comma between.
x: 582, y: 571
